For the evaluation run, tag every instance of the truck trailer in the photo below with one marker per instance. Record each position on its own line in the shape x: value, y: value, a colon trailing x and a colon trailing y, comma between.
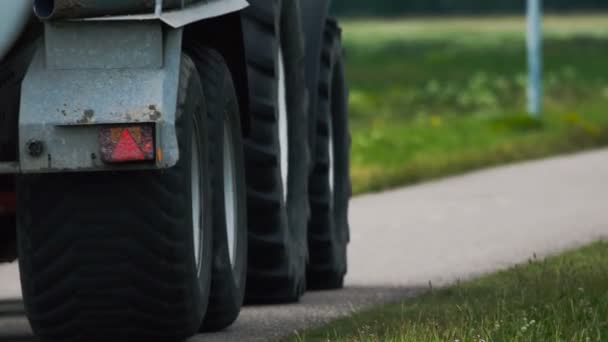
x: 164, y: 162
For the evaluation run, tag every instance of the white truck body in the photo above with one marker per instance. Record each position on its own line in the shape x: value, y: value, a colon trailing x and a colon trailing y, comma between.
x: 14, y: 15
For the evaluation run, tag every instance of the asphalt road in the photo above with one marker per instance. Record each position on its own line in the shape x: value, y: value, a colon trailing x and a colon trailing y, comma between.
x: 437, y: 232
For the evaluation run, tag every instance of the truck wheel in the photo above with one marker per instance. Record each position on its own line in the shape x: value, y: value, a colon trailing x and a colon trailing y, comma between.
x: 276, y: 152
x: 124, y: 256
x: 330, y: 187
x: 229, y: 269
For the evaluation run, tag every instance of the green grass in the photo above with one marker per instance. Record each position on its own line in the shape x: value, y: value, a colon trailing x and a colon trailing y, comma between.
x: 432, y: 97
x: 563, y: 298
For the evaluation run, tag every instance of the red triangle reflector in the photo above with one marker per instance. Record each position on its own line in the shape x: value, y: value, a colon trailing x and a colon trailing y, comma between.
x: 127, y: 149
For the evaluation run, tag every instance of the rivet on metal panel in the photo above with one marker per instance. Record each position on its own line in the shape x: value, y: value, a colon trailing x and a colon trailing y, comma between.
x: 35, y: 148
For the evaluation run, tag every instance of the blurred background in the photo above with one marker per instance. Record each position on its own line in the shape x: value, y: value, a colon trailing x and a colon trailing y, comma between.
x: 397, y: 8
x: 439, y: 86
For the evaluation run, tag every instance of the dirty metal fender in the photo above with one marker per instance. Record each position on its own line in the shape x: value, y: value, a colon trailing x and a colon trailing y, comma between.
x: 70, y: 9
x: 89, y: 74
x: 171, y: 12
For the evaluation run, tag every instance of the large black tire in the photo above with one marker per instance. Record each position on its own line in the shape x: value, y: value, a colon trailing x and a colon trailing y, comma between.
x: 328, y: 233
x: 229, y: 269
x: 110, y: 257
x: 277, y: 222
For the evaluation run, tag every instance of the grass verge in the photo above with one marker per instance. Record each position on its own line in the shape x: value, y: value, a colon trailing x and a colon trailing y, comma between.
x: 435, y: 97
x: 391, y: 154
x: 562, y: 298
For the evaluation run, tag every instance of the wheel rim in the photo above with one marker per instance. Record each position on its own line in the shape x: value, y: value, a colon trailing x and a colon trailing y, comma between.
x: 330, y: 152
x: 197, y: 205
x: 229, y: 192
x: 283, y: 125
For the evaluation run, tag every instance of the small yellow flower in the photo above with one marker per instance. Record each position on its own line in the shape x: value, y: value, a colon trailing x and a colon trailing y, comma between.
x: 572, y: 118
x: 436, y: 121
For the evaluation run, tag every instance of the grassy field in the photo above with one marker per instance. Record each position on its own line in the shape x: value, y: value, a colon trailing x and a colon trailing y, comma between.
x: 438, y: 96
x: 563, y: 298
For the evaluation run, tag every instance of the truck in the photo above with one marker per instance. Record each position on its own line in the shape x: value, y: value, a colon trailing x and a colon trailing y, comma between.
x: 164, y: 162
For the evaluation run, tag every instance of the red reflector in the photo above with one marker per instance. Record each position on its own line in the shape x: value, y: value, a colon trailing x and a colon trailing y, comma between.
x: 121, y: 144
x: 8, y: 203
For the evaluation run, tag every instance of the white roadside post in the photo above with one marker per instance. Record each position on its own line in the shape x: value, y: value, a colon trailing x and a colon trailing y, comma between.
x: 535, y: 57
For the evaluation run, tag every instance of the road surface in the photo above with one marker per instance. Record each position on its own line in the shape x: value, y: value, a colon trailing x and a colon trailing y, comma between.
x: 438, y: 232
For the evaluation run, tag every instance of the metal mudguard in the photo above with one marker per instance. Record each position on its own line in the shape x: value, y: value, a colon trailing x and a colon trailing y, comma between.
x: 168, y: 11
x: 91, y: 73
